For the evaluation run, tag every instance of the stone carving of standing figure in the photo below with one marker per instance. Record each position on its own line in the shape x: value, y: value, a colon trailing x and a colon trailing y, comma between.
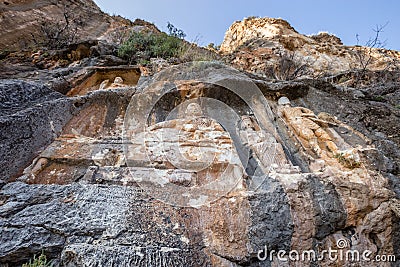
x: 306, y: 125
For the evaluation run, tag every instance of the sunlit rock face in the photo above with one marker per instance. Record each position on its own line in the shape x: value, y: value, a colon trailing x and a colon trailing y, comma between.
x: 21, y: 22
x: 29, y: 15
x: 200, y: 165
x: 258, y: 44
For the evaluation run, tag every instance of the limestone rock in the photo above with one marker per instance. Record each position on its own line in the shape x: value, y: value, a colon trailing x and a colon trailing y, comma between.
x: 258, y: 45
x: 96, y: 197
x: 196, y: 164
x: 32, y: 115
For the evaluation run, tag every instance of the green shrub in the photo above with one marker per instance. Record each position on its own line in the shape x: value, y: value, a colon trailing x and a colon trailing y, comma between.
x: 379, y: 98
x: 4, y: 53
x: 166, y: 46
x: 191, y: 52
x: 347, y: 162
x: 143, y: 46
x: 214, y: 47
x: 140, y: 47
x: 41, y: 261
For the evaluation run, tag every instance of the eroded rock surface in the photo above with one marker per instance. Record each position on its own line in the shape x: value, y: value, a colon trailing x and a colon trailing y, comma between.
x: 29, y: 15
x: 32, y: 115
x: 115, y: 189
x: 199, y: 164
x: 257, y: 45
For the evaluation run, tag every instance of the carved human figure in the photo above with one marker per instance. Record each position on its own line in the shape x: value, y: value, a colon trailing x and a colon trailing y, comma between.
x: 196, y: 143
x: 191, y: 120
x: 193, y: 110
x: 306, y: 125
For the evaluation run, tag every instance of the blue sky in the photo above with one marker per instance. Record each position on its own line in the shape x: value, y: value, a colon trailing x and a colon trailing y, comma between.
x: 206, y: 21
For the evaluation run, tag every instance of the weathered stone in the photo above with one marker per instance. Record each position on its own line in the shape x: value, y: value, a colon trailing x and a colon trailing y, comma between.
x: 258, y: 44
x: 32, y: 115
x: 198, y: 164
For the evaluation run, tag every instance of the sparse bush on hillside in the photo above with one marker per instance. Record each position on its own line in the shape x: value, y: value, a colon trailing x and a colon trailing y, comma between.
x: 192, y: 52
x: 364, y: 54
x: 59, y: 34
x: 289, y: 66
x: 214, y: 47
x: 40, y: 261
x: 142, y: 46
x: 120, y: 35
x: 386, y: 69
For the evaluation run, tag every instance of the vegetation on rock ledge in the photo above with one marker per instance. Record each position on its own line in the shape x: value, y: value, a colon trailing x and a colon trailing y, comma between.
x: 140, y: 47
x: 41, y: 261
x: 143, y: 46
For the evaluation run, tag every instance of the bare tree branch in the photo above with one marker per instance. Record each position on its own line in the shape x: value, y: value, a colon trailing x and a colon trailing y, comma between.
x: 364, y: 54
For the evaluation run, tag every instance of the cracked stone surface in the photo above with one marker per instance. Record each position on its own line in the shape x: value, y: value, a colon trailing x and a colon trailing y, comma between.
x: 102, y: 165
x: 85, y: 202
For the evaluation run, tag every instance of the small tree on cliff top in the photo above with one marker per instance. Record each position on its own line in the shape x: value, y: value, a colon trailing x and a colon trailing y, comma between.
x: 364, y: 55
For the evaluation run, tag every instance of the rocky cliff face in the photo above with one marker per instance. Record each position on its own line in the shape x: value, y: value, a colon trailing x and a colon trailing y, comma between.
x: 254, y: 44
x: 198, y: 164
x: 37, y: 20
x: 29, y: 16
